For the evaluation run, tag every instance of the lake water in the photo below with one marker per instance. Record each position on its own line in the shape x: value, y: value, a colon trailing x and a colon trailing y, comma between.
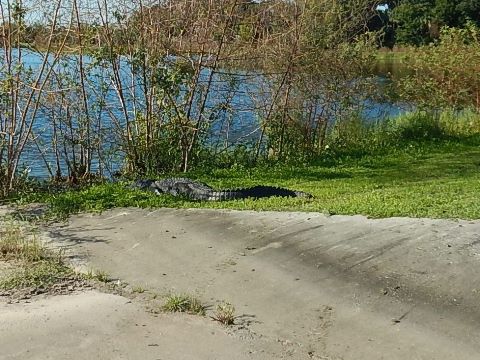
x: 239, y: 123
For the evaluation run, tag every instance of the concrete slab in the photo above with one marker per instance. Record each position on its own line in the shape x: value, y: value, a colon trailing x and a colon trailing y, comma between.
x: 93, y: 325
x: 307, y: 286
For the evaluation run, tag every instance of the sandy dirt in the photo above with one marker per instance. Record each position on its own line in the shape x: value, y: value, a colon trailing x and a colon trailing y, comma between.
x: 304, y: 285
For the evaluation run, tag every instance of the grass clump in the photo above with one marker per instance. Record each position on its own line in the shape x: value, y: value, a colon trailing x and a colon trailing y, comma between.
x: 34, y: 265
x: 225, y: 314
x: 184, y: 303
x: 97, y: 275
x: 15, y: 246
x: 138, y: 289
x: 40, y: 274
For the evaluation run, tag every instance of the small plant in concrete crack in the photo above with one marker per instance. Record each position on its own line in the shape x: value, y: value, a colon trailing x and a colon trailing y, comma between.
x: 225, y: 314
x: 98, y: 275
x: 138, y: 289
x: 184, y: 303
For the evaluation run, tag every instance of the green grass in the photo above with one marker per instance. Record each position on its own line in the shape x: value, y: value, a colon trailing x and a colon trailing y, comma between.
x: 420, y: 164
x: 425, y: 179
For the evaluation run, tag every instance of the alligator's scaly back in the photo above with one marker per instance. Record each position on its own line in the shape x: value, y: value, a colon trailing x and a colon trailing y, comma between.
x: 184, y: 187
x: 196, y: 190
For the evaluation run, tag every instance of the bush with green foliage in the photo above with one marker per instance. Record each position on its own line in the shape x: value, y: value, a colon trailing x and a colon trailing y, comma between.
x: 446, y: 75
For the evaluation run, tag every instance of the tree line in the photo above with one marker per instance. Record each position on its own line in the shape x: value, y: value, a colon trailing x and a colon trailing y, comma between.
x: 399, y: 22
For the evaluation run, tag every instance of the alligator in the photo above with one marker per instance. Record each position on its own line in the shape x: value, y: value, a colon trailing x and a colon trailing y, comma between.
x: 196, y: 190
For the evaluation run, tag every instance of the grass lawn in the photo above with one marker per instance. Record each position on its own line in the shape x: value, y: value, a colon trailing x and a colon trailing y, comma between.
x: 436, y: 180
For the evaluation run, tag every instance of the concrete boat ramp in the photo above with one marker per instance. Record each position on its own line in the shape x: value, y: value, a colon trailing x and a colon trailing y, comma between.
x: 304, y: 286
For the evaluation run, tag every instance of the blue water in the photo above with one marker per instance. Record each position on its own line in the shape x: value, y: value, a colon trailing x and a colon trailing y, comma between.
x: 237, y: 123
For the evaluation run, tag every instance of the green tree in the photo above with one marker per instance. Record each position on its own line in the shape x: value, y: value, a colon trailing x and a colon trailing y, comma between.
x: 469, y: 10
x: 418, y: 22
x: 412, y: 19
x: 457, y: 13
